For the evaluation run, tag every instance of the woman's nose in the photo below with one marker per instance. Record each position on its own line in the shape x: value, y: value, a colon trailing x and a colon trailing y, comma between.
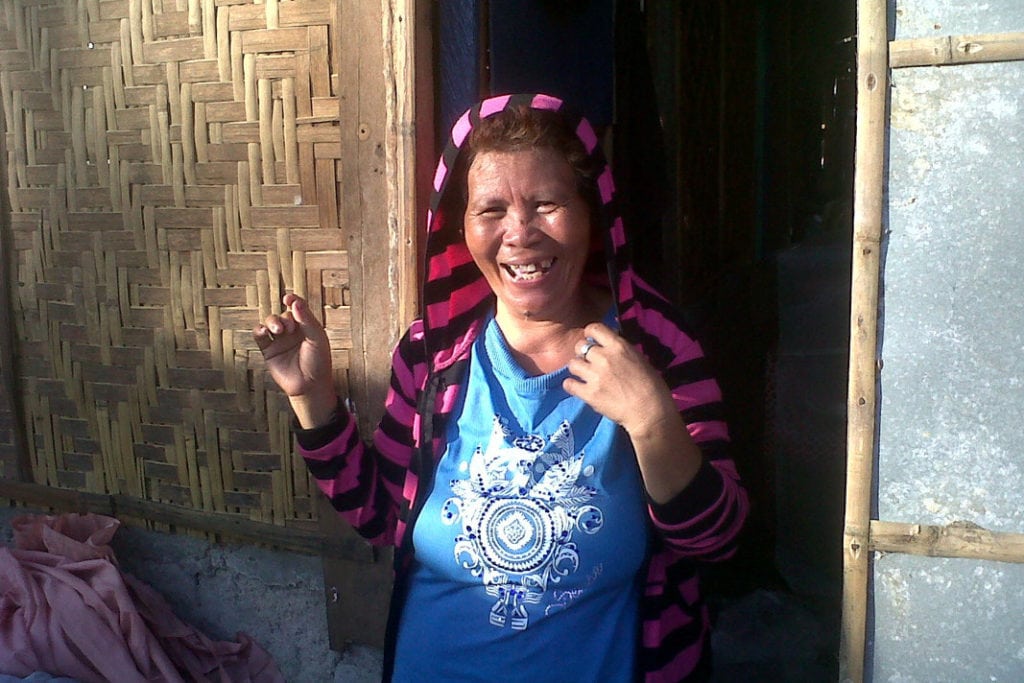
x: 519, y: 229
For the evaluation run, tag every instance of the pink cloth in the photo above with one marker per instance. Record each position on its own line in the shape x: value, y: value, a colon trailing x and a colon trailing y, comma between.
x: 66, y: 609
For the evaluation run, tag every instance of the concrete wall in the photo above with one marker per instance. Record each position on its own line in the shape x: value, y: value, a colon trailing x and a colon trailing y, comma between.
x: 951, y: 430
x: 277, y: 598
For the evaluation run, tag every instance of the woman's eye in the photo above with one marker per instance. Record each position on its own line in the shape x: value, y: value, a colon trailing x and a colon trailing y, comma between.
x: 546, y: 207
x: 487, y: 211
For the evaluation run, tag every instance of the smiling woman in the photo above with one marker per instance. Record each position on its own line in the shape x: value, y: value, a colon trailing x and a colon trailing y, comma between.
x: 528, y: 231
x: 553, y: 460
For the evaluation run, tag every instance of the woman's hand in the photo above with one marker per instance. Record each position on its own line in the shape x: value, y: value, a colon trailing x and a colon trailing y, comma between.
x: 616, y: 381
x: 298, y: 357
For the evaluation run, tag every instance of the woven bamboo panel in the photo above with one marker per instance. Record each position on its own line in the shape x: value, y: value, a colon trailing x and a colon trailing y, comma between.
x: 173, y: 169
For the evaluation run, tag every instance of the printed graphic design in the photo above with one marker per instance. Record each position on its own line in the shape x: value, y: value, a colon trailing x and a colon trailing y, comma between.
x: 519, y: 508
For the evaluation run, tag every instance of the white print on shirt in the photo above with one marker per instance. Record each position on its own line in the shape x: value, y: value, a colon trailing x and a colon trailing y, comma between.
x: 561, y: 599
x: 519, y: 508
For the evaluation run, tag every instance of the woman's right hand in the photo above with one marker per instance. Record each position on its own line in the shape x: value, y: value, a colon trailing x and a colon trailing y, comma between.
x: 298, y: 357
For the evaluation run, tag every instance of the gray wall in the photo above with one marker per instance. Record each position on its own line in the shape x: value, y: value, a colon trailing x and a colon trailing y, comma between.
x: 951, y: 429
x: 223, y: 588
x: 277, y: 599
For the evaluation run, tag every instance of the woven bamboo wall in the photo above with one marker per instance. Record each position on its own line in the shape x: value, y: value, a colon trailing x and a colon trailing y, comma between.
x: 173, y: 168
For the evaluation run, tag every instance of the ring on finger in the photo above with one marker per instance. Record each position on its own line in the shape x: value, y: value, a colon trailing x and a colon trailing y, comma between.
x: 585, y: 349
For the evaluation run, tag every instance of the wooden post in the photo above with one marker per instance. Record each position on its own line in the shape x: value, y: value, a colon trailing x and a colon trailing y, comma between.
x: 378, y: 191
x: 872, y: 89
x: 384, y: 47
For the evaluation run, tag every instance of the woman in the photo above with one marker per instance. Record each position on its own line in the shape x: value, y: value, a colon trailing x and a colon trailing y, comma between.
x: 552, y: 464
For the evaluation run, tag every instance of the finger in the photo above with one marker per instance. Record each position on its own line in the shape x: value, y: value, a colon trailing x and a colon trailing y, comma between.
x: 585, y: 372
x: 601, y: 333
x: 573, y: 386
x: 585, y: 347
x: 263, y: 337
x: 583, y: 391
x: 279, y: 324
x: 303, y: 316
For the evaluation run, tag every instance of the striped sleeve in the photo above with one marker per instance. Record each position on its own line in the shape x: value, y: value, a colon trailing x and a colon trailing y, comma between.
x: 704, y: 520
x: 364, y: 481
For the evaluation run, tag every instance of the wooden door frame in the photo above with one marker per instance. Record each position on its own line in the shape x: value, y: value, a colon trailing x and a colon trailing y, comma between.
x: 385, y: 100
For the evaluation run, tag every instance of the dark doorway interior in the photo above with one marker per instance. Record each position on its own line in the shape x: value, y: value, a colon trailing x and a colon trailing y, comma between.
x: 741, y: 206
x: 752, y: 181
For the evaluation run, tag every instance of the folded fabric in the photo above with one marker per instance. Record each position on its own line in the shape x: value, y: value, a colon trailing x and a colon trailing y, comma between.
x: 66, y: 609
x: 36, y: 677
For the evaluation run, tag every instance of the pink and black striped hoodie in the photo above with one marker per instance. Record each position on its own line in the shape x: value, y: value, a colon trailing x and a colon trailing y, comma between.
x: 380, y: 486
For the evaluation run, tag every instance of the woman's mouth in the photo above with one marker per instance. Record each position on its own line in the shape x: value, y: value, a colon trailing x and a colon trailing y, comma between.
x: 525, y: 272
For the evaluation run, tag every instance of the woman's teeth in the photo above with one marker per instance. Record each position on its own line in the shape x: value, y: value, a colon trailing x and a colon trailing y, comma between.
x: 529, y: 271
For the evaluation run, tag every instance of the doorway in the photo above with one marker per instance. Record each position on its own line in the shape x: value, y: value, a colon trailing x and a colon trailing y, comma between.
x: 731, y: 132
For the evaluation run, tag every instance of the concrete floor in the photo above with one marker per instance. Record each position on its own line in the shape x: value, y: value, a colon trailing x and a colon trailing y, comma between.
x: 277, y: 599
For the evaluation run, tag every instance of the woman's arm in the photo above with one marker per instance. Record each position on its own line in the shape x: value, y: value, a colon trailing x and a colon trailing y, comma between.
x: 363, y: 482
x: 298, y: 356
x: 674, y: 423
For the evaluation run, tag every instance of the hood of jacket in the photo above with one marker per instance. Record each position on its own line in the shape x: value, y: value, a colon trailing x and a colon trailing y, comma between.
x: 455, y: 296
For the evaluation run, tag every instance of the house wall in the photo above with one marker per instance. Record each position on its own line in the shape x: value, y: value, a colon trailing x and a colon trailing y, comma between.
x: 952, y: 347
x: 221, y: 589
x: 173, y: 168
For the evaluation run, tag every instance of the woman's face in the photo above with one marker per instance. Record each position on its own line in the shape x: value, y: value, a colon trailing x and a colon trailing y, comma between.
x: 528, y: 230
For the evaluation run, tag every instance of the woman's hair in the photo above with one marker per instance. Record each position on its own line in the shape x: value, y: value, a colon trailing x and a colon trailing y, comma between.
x: 522, y: 128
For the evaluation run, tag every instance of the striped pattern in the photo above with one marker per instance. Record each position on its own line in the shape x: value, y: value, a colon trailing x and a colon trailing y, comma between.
x: 379, y: 487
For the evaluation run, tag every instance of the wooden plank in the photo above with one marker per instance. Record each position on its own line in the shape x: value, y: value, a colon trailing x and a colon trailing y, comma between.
x: 291, y: 538
x: 375, y: 92
x: 275, y: 40
x: 961, y: 49
x: 872, y: 92
x: 959, y: 539
x: 305, y: 13
x: 363, y: 201
x: 405, y: 112
x: 178, y: 49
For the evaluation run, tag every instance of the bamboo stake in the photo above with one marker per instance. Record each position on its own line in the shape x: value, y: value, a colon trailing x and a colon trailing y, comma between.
x: 872, y: 88
x: 963, y: 49
x: 959, y: 539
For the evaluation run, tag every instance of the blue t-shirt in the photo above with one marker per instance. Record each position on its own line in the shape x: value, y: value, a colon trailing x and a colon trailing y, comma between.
x: 529, y: 548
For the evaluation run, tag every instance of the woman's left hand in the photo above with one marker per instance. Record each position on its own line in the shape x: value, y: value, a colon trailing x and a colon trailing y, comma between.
x: 619, y: 383
x: 616, y: 381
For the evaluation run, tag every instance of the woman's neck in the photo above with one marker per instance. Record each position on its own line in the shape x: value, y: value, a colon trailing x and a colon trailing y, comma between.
x: 543, y: 346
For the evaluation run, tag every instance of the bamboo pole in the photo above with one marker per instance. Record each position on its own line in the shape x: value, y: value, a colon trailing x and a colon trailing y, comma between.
x: 872, y: 92
x: 963, y: 49
x: 959, y: 539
